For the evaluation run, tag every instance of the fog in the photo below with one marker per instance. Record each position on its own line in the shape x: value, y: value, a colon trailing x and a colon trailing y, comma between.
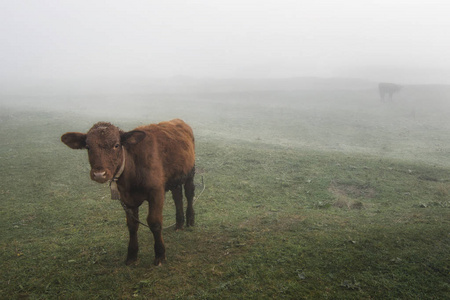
x: 100, y: 45
x: 290, y: 73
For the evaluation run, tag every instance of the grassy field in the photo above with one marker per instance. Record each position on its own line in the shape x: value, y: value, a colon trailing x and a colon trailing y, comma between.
x: 308, y: 195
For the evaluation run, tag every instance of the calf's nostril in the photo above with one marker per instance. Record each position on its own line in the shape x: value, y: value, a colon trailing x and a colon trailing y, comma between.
x: 99, y: 174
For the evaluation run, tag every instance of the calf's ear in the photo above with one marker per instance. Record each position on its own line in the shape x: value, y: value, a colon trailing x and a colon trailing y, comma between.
x: 132, y: 137
x: 74, y: 140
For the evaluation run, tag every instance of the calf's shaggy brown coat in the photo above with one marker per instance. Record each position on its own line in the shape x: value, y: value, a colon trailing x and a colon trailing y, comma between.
x: 155, y: 158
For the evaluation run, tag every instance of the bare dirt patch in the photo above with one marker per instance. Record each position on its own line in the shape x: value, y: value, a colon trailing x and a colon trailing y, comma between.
x: 350, y: 196
x: 351, y: 190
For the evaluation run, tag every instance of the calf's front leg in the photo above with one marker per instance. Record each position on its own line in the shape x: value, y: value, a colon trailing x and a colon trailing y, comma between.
x: 154, y: 220
x: 133, y: 226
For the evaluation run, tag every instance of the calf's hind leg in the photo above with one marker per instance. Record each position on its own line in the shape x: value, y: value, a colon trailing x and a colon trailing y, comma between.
x: 189, y: 190
x: 177, y: 194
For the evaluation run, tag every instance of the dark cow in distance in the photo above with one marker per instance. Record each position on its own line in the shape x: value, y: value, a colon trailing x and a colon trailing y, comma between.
x: 389, y: 89
x: 143, y: 164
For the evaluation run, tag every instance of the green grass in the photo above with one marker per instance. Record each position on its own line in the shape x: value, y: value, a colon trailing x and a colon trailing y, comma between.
x: 275, y: 220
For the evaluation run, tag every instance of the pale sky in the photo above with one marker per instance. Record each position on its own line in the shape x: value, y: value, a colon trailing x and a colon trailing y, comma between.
x: 79, y: 40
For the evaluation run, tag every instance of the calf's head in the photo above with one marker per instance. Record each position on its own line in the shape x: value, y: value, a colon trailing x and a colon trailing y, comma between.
x: 105, y: 144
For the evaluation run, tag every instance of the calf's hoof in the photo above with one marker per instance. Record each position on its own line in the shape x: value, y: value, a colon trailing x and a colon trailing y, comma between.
x: 130, y: 261
x: 190, y: 217
x: 159, y: 261
x: 190, y: 222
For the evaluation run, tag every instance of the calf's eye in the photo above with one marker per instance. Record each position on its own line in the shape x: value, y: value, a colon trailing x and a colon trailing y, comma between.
x: 117, y: 146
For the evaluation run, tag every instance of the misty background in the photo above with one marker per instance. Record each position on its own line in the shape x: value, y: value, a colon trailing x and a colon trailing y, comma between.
x: 112, y: 46
x: 288, y: 73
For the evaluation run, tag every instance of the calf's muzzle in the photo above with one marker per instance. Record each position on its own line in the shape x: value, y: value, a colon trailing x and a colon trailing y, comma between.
x: 99, y: 176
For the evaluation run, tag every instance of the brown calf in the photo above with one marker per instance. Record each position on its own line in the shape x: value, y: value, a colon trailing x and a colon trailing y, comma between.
x: 144, y: 163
